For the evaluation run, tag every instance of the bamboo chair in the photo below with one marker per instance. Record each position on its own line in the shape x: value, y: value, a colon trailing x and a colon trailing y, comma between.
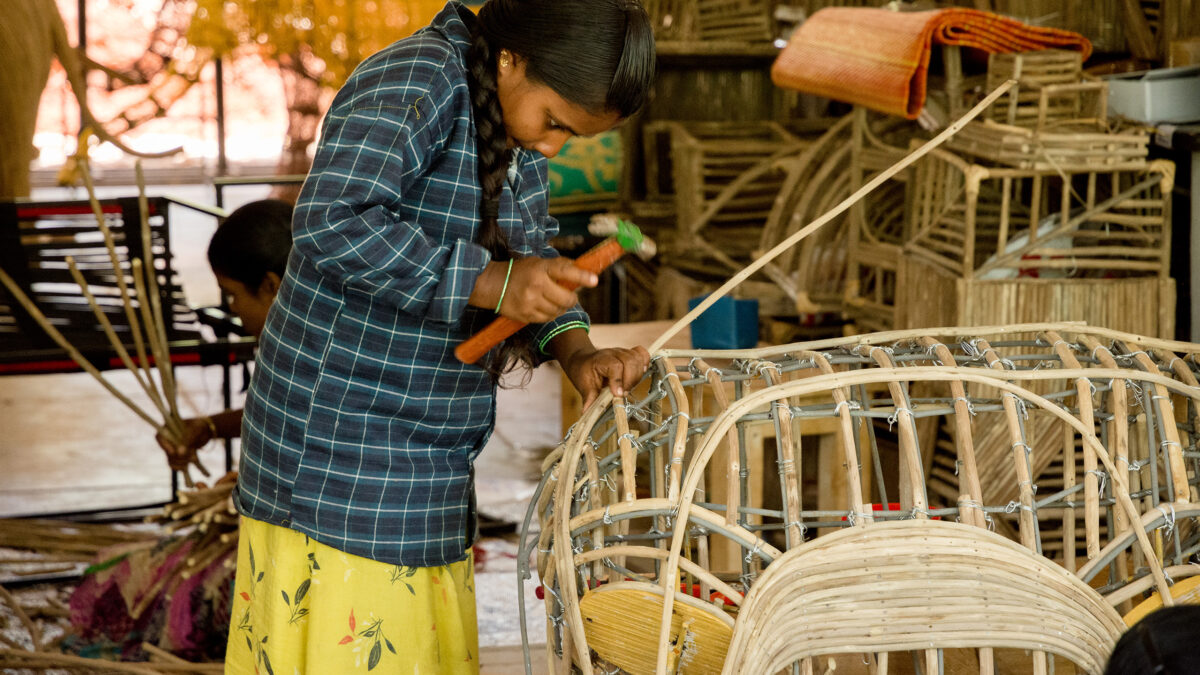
x: 917, y: 585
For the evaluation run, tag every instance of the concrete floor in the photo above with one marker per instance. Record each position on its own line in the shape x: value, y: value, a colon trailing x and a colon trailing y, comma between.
x: 67, y: 445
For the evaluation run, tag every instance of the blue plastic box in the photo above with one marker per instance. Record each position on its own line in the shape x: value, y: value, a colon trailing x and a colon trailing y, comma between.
x: 728, y: 324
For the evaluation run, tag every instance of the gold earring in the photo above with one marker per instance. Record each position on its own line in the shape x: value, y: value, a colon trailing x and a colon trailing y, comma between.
x: 504, y: 60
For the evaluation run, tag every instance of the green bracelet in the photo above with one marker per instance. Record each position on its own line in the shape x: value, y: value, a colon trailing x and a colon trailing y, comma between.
x: 504, y: 289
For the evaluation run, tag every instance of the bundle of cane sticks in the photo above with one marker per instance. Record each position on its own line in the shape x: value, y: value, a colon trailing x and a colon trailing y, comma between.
x: 148, y: 333
x: 207, y: 521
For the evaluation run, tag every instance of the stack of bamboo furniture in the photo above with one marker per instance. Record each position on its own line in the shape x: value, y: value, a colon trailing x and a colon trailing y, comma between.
x: 1044, y: 212
x: 1073, y: 474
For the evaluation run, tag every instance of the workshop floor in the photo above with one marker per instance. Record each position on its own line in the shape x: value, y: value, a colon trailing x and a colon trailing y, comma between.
x: 67, y: 445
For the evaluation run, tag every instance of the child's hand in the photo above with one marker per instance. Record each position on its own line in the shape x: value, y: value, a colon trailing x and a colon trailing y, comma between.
x: 590, y: 370
x: 534, y: 293
x: 181, y: 452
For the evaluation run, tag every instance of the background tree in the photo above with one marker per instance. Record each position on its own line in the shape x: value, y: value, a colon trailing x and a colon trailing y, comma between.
x: 317, y: 44
x: 32, y: 35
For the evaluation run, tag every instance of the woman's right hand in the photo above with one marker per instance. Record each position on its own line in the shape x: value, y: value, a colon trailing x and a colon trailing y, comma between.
x: 197, y: 432
x: 535, y: 292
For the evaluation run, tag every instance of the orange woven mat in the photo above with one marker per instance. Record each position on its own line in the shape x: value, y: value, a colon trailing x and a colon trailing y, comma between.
x: 879, y: 58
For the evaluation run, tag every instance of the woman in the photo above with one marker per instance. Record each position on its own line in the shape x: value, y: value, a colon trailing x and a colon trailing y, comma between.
x: 424, y: 216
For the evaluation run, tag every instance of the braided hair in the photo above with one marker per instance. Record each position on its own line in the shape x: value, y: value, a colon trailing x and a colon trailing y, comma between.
x: 597, y: 54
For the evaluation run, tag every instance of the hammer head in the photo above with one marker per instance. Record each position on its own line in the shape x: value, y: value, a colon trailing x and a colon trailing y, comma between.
x: 625, y: 232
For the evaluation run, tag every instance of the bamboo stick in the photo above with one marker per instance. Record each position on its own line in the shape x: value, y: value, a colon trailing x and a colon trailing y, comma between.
x: 1021, y: 454
x: 1087, y: 417
x: 789, y: 454
x: 170, y: 421
x: 14, y: 658
x: 66, y: 346
x: 733, y: 495
x: 119, y: 273
x: 158, y: 326
x: 912, y: 481
x: 971, y: 489
x: 35, y: 633
x: 162, y: 359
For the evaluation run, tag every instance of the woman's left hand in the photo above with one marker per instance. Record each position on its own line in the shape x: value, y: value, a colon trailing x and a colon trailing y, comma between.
x: 590, y: 369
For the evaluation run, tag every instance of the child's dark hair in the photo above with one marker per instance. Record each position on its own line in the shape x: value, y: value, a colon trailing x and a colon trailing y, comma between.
x: 255, y: 239
x: 1163, y: 643
x: 597, y: 54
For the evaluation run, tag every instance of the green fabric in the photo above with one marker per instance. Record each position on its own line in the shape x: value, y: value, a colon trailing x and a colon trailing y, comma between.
x: 587, y: 166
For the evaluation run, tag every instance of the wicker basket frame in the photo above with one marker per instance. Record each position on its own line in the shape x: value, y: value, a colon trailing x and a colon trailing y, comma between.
x: 647, y: 490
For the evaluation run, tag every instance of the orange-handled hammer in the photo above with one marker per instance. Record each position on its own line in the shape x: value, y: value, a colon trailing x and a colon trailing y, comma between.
x: 625, y: 236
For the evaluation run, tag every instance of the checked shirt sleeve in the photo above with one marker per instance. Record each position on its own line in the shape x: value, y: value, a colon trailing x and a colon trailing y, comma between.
x: 575, y: 317
x: 371, y: 153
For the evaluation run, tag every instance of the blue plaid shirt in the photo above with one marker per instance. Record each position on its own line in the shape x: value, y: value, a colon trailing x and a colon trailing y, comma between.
x: 361, y: 427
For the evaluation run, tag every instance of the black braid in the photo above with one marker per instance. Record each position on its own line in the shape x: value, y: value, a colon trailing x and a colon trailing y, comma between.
x: 491, y: 142
x: 493, y: 157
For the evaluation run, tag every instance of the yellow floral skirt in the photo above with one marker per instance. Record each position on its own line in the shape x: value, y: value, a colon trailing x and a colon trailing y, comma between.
x: 302, y: 607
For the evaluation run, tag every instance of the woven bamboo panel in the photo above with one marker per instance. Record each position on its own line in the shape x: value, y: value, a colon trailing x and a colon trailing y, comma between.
x: 814, y: 600
x: 928, y: 295
x: 1074, y: 445
x: 1099, y: 20
x: 739, y: 20
x: 745, y: 21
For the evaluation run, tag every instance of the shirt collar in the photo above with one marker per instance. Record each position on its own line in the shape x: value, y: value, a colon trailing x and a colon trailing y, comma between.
x: 452, y: 23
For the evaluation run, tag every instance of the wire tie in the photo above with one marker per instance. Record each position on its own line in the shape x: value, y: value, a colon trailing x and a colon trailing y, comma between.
x: 970, y: 405
x: 895, y: 416
x: 750, y: 556
x: 609, y: 482
x: 850, y: 405
x: 1168, y: 517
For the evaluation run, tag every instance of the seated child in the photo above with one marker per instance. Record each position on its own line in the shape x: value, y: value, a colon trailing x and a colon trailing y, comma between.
x: 248, y: 254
